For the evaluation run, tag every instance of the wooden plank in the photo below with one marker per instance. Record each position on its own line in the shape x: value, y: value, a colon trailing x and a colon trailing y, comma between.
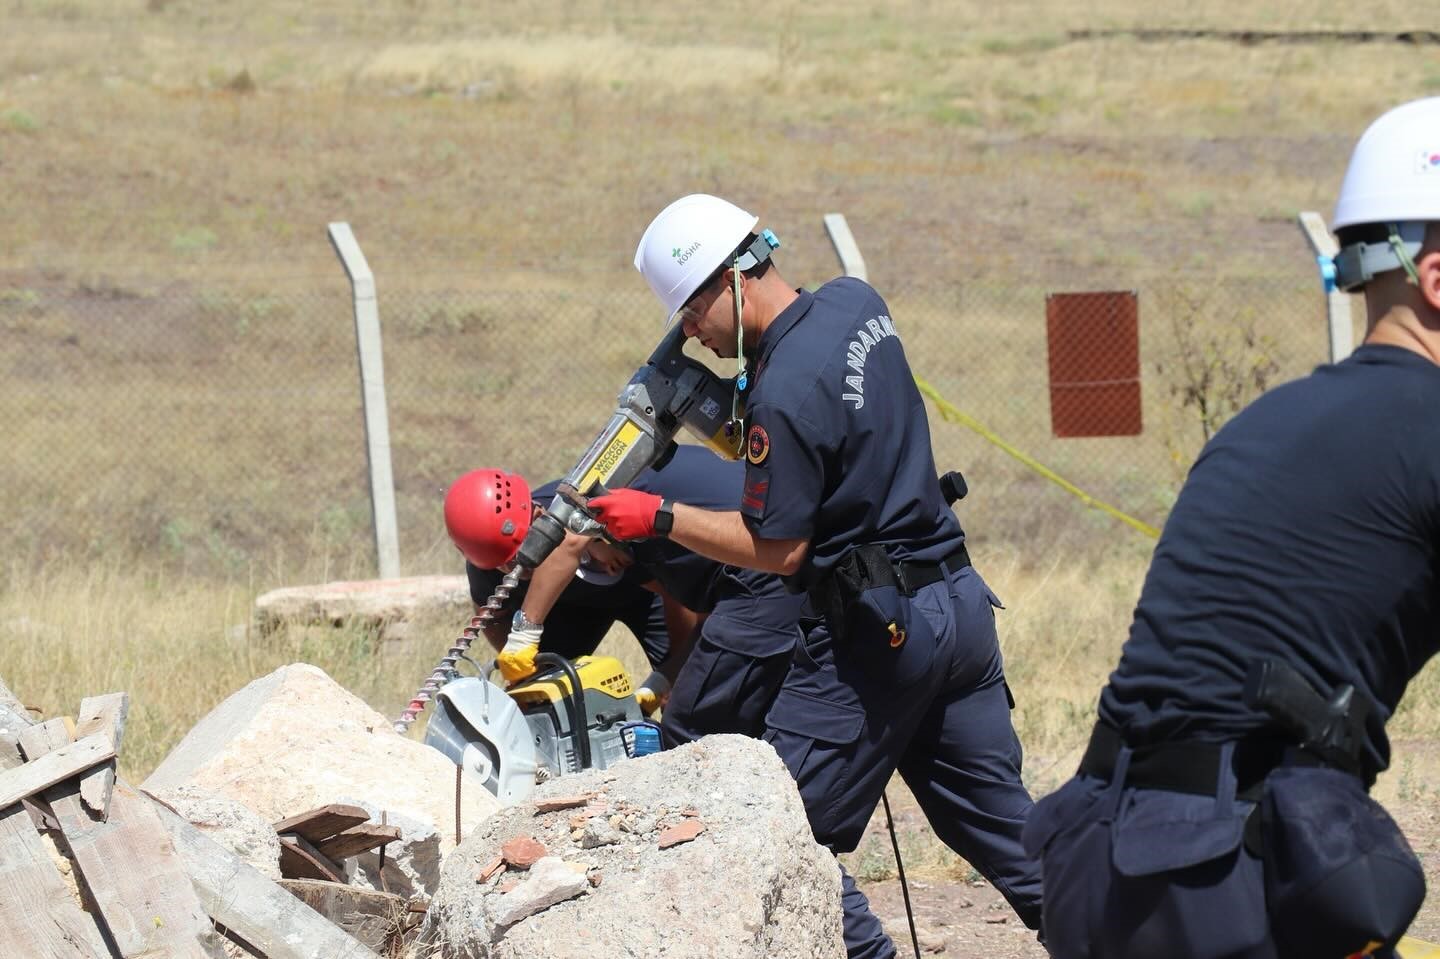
x: 323, y: 822
x: 102, y: 714
x: 9, y: 700
x: 51, y: 768
x: 357, y: 839
x: 241, y: 899
x: 375, y: 918
x: 10, y: 758
x: 139, y: 885
x: 300, y: 860
x: 38, y: 916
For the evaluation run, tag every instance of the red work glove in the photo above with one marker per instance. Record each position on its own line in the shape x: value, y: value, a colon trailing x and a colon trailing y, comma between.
x: 626, y: 513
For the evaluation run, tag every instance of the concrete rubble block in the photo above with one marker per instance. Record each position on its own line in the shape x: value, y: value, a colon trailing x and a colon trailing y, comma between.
x: 230, y: 823
x: 295, y: 740
x: 379, y: 601
x: 751, y: 883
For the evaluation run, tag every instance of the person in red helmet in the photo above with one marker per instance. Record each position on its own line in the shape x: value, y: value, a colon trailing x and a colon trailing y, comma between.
x: 487, y: 513
x: 732, y: 631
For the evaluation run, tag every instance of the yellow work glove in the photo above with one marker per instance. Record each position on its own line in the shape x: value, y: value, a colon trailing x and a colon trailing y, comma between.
x: 653, y: 693
x: 517, y: 659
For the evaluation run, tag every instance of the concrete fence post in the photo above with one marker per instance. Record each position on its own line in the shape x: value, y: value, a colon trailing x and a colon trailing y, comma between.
x: 845, y: 246
x: 372, y: 393
x: 1337, y: 303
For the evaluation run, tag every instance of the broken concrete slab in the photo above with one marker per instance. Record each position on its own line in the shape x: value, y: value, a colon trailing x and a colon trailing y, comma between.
x: 296, y: 739
x: 749, y: 882
x: 377, y: 601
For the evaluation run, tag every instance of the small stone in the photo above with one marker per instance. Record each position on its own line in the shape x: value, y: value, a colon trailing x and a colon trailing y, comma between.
x: 594, y: 879
x: 997, y: 919
x: 682, y: 833
x: 507, y: 885
x: 690, y: 812
x: 598, y: 833
x: 522, y: 852
x: 550, y: 882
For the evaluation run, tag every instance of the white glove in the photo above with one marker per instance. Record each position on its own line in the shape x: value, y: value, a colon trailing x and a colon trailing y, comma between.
x: 517, y: 659
x: 653, y: 693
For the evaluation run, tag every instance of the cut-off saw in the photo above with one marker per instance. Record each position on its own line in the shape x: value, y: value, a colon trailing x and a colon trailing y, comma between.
x: 567, y: 717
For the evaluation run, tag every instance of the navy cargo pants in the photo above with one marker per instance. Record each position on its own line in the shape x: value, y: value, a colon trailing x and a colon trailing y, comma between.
x: 1133, y: 873
x: 937, y: 709
x: 737, y: 663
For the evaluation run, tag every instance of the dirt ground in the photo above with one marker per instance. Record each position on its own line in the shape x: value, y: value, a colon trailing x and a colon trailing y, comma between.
x: 967, y: 917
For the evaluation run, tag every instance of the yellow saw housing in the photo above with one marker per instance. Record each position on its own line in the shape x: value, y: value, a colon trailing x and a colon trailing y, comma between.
x: 602, y: 675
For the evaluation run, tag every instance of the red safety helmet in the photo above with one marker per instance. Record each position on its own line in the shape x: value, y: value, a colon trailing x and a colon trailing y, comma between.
x: 487, y: 513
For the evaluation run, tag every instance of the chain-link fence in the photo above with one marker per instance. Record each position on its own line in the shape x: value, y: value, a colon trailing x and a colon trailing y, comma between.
x: 221, y: 430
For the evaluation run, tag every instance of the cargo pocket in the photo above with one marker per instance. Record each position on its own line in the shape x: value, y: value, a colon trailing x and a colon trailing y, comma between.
x: 1339, y: 874
x: 815, y: 738
x: 1182, y: 855
x: 1073, y: 804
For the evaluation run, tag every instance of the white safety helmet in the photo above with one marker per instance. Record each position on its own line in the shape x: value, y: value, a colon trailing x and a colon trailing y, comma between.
x: 1393, y: 180
x: 686, y: 243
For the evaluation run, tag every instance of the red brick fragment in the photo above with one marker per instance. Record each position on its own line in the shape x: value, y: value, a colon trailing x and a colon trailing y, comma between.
x: 682, y: 833
x: 561, y: 802
x: 522, y: 852
x: 490, y: 869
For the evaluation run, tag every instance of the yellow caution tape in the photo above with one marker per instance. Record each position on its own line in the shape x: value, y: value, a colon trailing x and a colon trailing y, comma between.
x: 1411, y: 948
x: 949, y: 412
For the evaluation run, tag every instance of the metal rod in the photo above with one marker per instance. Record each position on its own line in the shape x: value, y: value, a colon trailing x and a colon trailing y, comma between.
x: 445, y: 670
x: 900, y: 868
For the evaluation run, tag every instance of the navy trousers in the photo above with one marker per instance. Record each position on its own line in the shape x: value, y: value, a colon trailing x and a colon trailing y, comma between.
x: 737, y: 663
x: 937, y: 709
x: 1135, y: 873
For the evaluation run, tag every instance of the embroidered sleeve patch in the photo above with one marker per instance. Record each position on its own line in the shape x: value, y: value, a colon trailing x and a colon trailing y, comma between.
x: 757, y: 491
x: 757, y: 445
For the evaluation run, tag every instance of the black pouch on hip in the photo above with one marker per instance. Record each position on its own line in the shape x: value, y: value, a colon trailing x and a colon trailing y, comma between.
x: 1340, y: 878
x: 870, y: 603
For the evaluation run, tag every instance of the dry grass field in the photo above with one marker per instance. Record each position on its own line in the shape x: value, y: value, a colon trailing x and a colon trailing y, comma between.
x: 168, y: 167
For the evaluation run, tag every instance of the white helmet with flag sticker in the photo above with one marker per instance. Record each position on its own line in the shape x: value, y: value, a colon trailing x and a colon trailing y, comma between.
x: 1392, y: 182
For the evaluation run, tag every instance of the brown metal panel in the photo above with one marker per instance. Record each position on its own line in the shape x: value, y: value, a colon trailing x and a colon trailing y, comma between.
x: 1094, y: 346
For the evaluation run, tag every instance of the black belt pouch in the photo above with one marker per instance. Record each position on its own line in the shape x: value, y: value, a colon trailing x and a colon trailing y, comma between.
x: 866, y: 602
x: 1339, y: 876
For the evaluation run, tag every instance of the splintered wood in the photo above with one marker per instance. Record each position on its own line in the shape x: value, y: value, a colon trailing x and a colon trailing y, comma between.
x: 313, y: 843
x: 154, y: 883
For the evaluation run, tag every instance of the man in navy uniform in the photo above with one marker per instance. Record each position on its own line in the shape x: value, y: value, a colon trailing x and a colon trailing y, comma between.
x: 731, y: 630
x: 900, y: 666
x: 1221, y: 808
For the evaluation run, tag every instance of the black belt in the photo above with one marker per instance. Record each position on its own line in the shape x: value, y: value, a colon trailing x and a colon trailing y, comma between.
x: 1190, y: 766
x: 914, y: 576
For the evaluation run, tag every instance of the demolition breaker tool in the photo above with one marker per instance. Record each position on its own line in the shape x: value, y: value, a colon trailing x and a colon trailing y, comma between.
x: 670, y: 391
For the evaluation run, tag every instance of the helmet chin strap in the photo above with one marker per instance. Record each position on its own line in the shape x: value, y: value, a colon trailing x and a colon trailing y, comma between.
x: 1403, y: 255
x: 740, y: 378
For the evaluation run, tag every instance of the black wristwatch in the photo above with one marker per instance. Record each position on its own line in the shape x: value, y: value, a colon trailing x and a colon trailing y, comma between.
x: 665, y: 518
